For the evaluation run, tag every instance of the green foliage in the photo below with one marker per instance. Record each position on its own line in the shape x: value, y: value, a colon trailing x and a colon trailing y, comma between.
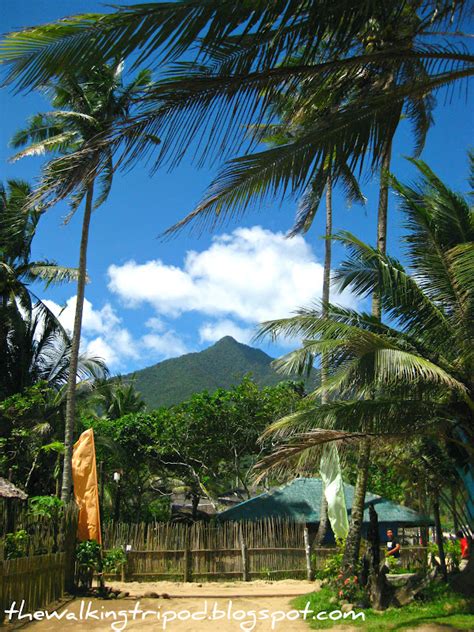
x: 186, y: 448
x: 113, y: 560
x: 16, y: 544
x: 48, y: 506
x: 452, y: 551
x: 88, y: 554
x: 333, y: 564
x: 222, y: 366
x: 88, y: 562
x: 411, y: 376
x: 347, y: 588
x: 437, y: 604
x: 160, y: 509
x: 28, y: 421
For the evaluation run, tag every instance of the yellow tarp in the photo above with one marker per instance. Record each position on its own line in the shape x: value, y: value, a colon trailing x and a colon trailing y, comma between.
x: 84, y: 476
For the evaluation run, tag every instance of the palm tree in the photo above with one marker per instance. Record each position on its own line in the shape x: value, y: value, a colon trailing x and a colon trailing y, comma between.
x: 116, y: 398
x: 291, y: 124
x: 28, y: 329
x: 245, y: 58
x: 86, y: 106
x: 410, y: 377
x: 17, y: 229
x: 246, y: 53
x: 39, y: 349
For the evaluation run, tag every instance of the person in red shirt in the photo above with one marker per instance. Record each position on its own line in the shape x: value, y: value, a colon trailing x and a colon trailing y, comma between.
x: 464, y: 549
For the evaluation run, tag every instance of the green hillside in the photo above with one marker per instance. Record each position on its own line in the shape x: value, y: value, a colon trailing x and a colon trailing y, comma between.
x: 220, y: 366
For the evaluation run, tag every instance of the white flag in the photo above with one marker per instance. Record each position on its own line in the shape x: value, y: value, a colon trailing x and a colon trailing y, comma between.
x: 331, y: 475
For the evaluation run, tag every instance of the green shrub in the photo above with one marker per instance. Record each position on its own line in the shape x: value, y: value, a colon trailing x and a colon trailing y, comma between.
x: 16, y: 544
x: 88, y: 560
x: 113, y: 560
x: 333, y: 564
x: 47, y: 506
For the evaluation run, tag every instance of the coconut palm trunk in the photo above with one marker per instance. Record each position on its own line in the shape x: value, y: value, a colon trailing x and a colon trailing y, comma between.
x: 66, y: 488
x: 352, y: 548
x: 323, y: 518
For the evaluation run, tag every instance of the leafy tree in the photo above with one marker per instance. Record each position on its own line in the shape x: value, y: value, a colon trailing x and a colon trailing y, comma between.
x: 417, y: 370
x: 184, y: 448
x: 86, y: 106
x: 116, y: 398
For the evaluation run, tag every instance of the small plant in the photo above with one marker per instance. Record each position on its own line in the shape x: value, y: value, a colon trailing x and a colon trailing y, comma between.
x: 394, y: 566
x: 113, y: 560
x: 89, y: 561
x: 47, y: 506
x: 452, y: 552
x: 333, y: 564
x: 16, y: 545
x: 348, y: 589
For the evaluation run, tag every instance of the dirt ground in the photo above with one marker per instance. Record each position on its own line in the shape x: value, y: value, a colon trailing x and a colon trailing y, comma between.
x: 219, y: 607
x: 193, y: 607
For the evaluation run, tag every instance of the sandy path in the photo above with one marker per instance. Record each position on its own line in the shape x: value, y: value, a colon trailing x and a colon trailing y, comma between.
x: 207, y: 607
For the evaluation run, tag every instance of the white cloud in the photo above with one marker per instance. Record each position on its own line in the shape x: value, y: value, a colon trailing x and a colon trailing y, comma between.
x: 251, y: 274
x: 93, y: 320
x: 104, y: 336
x: 214, y: 331
x: 168, y: 344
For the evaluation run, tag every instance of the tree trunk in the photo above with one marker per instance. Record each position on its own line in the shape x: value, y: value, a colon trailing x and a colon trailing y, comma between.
x: 382, y: 221
x: 351, y: 554
x: 351, y: 550
x: 195, y: 498
x: 454, y: 512
x: 323, y: 514
x: 439, y: 539
x: 75, y: 344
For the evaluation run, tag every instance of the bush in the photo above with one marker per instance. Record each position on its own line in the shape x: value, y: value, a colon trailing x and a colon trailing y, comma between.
x: 88, y: 559
x: 113, y: 560
x: 333, y: 564
x: 47, y: 506
x: 16, y: 545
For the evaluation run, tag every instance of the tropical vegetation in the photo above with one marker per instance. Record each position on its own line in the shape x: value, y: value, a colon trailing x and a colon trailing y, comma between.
x: 288, y: 97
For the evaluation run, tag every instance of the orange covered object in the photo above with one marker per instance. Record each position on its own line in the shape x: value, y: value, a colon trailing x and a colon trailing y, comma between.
x: 84, y: 476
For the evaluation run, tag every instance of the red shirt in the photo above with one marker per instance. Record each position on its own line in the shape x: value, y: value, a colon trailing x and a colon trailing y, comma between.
x: 464, y: 548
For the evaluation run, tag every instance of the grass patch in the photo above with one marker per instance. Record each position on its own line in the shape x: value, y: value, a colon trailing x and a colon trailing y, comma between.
x: 437, y: 605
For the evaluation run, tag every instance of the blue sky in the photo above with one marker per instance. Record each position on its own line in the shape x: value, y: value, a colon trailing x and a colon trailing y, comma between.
x: 148, y: 299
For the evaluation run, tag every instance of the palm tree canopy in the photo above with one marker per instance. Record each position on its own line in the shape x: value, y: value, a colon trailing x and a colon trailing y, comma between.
x: 417, y: 368
x: 116, y: 398
x: 17, y: 229
x: 33, y: 344
x: 86, y: 106
x: 388, y: 52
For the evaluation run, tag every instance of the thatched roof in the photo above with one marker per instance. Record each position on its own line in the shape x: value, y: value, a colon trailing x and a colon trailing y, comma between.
x: 300, y: 500
x: 8, y: 490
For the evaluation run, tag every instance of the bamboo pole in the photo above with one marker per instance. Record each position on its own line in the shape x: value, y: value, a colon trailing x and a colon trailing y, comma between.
x: 307, y: 548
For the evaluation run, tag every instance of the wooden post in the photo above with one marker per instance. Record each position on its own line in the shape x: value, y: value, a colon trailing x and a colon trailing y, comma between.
x: 307, y: 549
x: 2, y: 593
x: 123, y: 570
x: 245, y: 558
x: 187, y: 559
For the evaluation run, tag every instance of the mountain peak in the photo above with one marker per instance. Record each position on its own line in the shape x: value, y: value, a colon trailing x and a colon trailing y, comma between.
x: 227, y: 340
x: 221, y: 365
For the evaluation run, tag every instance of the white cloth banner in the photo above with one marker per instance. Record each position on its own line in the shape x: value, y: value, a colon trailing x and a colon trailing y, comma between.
x: 331, y: 475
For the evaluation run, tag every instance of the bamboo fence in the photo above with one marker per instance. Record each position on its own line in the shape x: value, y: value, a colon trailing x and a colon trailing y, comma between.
x: 37, y: 580
x: 271, y: 548
x: 41, y: 576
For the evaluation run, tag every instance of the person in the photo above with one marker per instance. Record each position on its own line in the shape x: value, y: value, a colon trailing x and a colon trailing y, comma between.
x: 464, y: 550
x: 393, y: 547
